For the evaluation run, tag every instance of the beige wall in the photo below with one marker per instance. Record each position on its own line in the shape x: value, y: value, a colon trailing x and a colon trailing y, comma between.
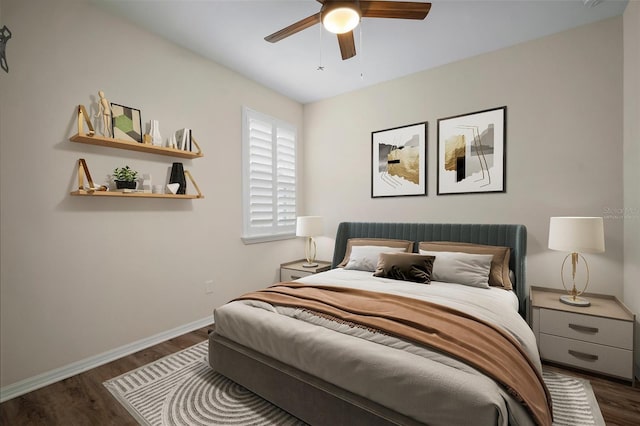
x: 631, y: 211
x: 564, y: 144
x: 67, y: 292
x: 82, y: 276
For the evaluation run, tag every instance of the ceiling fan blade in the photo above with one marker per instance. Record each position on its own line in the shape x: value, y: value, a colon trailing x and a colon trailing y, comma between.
x: 347, y: 45
x: 294, y: 28
x: 394, y: 9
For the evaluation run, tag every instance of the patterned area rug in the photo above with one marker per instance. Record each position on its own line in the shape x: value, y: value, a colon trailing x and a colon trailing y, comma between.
x: 181, y: 389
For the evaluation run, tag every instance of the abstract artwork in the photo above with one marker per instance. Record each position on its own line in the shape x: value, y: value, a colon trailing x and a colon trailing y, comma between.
x: 127, y: 124
x: 471, y: 152
x: 398, y: 161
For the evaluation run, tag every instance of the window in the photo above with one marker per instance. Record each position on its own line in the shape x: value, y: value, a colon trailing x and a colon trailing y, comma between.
x: 269, y: 177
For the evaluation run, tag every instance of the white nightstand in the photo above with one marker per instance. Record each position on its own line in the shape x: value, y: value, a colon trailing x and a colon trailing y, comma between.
x: 293, y: 270
x: 597, y: 338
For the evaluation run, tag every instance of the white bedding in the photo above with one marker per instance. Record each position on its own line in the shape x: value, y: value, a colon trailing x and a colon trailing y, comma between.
x: 415, y: 381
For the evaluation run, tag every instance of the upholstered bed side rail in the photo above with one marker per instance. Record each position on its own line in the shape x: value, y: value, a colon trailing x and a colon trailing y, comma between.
x: 508, y: 235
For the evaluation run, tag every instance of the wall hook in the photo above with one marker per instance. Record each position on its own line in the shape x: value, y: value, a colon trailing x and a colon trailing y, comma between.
x: 5, y: 35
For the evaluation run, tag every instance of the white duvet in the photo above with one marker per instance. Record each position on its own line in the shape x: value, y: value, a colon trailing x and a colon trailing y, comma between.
x: 425, y: 385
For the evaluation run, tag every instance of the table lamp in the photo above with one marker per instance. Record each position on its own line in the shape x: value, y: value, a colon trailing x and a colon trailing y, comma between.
x: 576, y: 235
x: 309, y: 226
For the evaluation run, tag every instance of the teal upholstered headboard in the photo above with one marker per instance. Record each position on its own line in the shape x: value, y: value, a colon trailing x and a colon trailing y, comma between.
x: 514, y: 236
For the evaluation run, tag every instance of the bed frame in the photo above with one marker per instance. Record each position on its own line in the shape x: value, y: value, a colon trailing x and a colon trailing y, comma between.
x: 318, y: 402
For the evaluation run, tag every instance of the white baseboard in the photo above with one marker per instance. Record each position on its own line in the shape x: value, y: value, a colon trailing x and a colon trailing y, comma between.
x: 49, y: 377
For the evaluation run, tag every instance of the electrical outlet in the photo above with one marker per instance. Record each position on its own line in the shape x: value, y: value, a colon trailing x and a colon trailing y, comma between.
x: 208, y: 286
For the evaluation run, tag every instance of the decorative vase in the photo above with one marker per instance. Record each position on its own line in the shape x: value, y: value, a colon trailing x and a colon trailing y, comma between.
x: 171, y: 142
x: 123, y: 184
x: 154, y: 131
x: 177, y: 176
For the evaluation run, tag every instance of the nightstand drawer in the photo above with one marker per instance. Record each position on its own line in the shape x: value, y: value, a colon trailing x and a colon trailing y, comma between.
x: 291, y: 274
x: 590, y: 356
x: 604, y: 331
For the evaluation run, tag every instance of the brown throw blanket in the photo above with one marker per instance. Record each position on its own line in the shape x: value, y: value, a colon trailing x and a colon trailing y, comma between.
x: 481, y: 345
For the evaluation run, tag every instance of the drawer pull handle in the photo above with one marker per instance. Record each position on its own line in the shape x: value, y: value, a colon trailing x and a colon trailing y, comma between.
x: 295, y: 277
x: 583, y: 328
x: 583, y: 355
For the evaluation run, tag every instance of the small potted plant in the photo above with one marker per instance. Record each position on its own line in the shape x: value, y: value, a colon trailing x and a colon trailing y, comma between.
x: 125, y: 177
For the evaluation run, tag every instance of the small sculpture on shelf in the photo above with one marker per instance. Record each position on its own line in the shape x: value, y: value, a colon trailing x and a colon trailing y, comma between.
x: 154, y: 131
x: 171, y: 143
x: 153, y: 137
x: 146, y: 183
x: 104, y: 109
x: 173, y: 188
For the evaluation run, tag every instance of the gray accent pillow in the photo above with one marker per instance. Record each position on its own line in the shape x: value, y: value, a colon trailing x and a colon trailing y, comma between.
x: 461, y: 268
x: 365, y: 258
x: 388, y: 242
x: 499, y: 274
x: 405, y: 267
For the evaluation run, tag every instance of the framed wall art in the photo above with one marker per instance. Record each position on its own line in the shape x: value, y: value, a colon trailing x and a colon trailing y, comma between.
x: 127, y: 123
x: 471, y: 152
x: 399, y: 161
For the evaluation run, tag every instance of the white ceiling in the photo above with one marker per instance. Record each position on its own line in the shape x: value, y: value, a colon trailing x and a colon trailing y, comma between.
x: 231, y: 33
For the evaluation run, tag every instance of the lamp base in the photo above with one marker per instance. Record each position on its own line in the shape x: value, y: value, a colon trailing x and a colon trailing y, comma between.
x: 577, y: 301
x: 309, y: 265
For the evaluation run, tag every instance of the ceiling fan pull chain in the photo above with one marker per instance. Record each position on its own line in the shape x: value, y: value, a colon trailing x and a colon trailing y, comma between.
x: 320, y: 67
x: 361, y: 51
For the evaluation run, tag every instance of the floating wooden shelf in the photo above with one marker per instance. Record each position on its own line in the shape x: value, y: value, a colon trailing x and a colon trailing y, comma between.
x: 134, y: 195
x: 92, y: 139
x: 134, y: 146
x: 100, y: 191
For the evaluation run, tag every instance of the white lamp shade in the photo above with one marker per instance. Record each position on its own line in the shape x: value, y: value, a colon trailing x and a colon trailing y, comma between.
x: 309, y: 226
x: 576, y: 234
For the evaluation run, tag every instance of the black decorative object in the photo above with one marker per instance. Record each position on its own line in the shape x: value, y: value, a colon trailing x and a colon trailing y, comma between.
x: 5, y: 35
x: 177, y: 176
x: 123, y: 184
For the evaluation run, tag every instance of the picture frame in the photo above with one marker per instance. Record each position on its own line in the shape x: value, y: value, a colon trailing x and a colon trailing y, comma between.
x: 399, y: 161
x: 126, y: 123
x: 472, y: 152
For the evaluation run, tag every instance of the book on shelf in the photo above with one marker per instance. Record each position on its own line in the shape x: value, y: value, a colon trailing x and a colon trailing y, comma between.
x: 183, y: 139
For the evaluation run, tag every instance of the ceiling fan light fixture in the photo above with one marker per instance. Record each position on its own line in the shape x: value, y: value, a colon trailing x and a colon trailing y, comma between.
x: 340, y: 18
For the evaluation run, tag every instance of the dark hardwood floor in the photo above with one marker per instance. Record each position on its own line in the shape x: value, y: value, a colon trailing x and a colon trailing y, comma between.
x: 83, y: 400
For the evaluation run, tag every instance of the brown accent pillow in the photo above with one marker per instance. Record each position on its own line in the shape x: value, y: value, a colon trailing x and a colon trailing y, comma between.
x: 499, y: 274
x: 405, y: 266
x: 407, y: 245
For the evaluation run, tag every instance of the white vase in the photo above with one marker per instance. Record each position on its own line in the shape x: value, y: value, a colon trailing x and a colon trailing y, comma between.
x: 154, y: 131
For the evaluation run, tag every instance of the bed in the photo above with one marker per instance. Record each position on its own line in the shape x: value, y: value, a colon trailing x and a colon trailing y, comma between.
x: 331, y: 372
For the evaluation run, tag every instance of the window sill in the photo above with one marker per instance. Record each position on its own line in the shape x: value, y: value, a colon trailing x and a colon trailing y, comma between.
x: 267, y: 238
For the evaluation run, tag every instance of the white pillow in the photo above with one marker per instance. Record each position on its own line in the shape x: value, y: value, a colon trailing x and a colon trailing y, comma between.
x: 461, y: 268
x: 365, y: 258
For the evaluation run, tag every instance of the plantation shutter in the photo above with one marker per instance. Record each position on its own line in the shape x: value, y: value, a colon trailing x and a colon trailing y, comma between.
x: 269, y: 163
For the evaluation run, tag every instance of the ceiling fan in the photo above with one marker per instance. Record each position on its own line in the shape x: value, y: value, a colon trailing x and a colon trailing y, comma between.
x: 341, y: 17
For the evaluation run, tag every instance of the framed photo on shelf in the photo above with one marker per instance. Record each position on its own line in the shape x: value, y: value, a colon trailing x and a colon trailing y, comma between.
x: 399, y: 161
x: 127, y: 123
x: 471, y: 152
